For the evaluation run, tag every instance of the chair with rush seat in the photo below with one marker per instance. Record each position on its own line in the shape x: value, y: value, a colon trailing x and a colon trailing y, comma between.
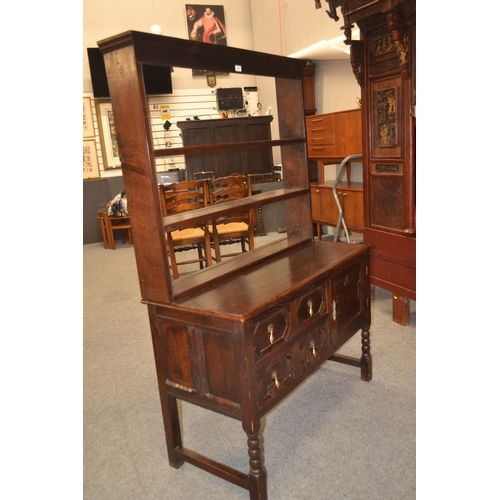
x: 181, y: 197
x: 234, y: 227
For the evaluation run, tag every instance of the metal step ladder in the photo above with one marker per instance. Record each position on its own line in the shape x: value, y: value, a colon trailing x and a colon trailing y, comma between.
x: 341, y: 221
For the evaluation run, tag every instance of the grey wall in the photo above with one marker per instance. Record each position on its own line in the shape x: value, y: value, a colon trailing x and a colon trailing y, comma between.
x: 96, y: 194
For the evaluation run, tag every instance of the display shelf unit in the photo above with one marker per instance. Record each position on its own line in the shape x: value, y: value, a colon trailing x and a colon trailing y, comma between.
x: 332, y: 137
x: 237, y: 337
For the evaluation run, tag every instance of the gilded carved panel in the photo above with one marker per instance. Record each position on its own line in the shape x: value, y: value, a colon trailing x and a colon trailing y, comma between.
x: 385, y: 109
x: 386, y: 118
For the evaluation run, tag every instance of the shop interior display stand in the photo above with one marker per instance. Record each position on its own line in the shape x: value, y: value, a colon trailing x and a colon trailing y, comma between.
x: 238, y: 337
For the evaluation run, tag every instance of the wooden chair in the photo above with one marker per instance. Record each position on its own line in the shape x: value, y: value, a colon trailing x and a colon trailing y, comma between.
x: 102, y: 216
x: 182, y: 197
x: 109, y: 224
x: 235, y: 227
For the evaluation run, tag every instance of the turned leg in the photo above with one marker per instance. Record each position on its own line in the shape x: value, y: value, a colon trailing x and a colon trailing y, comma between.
x: 366, y: 358
x: 257, y: 477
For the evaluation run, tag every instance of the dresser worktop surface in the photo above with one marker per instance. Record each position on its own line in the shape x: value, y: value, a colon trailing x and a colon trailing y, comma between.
x: 249, y: 291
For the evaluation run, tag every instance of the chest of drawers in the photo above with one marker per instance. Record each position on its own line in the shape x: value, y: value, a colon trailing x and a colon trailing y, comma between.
x: 331, y: 137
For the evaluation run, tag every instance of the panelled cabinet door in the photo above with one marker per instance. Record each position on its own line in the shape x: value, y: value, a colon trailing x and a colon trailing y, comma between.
x: 350, y: 295
x: 325, y: 210
x: 352, y: 203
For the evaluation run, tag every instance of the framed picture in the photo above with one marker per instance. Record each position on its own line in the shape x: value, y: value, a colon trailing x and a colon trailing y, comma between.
x: 207, y: 24
x: 211, y: 80
x: 107, y: 134
x: 90, y: 161
x: 88, y: 120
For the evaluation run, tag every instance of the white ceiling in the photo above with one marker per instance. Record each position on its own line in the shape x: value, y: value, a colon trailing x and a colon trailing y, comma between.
x: 327, y: 50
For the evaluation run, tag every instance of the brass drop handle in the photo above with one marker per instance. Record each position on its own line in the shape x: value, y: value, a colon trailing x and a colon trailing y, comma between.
x: 310, y: 306
x: 270, y: 330
x: 313, y: 347
x: 334, y: 310
x: 274, y: 375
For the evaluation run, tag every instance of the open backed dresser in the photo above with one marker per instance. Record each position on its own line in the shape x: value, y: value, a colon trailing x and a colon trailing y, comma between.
x: 237, y: 337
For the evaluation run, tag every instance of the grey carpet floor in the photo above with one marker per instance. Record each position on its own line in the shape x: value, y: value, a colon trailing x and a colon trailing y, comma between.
x: 334, y: 438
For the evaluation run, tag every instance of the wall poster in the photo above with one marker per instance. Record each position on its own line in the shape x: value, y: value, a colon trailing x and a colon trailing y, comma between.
x: 107, y: 133
x: 206, y: 24
x: 88, y: 121
x: 90, y: 161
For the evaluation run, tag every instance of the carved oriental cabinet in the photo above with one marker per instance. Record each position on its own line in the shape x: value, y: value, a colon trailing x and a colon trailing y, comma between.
x: 383, y: 61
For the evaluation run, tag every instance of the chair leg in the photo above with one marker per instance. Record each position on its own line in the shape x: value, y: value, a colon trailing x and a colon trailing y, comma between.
x: 173, y: 262
x: 218, y: 257
x: 111, y: 234
x: 104, y: 233
x: 208, y: 250
x: 250, y: 241
x: 200, y: 254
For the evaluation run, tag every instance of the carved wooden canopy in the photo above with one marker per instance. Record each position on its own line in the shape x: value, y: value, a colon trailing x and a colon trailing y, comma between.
x: 371, y: 15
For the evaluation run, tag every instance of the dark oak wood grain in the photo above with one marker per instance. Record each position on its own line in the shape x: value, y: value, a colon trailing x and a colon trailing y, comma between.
x: 239, y: 336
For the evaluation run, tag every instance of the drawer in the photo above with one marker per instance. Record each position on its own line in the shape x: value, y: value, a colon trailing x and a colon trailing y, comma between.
x: 283, y: 371
x: 320, y: 131
x: 314, y: 121
x: 312, y: 348
x: 270, y: 331
x: 320, y: 151
x: 273, y: 379
x: 319, y: 140
x: 310, y: 306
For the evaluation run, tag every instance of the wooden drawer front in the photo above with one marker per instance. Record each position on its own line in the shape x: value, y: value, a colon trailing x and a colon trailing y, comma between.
x: 270, y: 331
x: 274, y: 378
x: 310, y: 306
x: 315, y: 121
x: 312, y: 348
x: 280, y: 373
x: 319, y: 151
x: 320, y: 135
